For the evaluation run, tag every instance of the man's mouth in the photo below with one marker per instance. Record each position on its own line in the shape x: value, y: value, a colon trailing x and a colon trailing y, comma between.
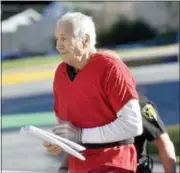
x: 63, y: 53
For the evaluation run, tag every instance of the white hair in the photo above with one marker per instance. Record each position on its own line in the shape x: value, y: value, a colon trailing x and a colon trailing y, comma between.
x: 82, y: 25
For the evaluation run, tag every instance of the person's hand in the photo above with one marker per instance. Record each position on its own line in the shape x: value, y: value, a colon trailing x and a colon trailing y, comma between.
x: 67, y: 130
x: 52, y: 148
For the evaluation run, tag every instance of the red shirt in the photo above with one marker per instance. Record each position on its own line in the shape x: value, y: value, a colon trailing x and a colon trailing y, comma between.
x: 92, y: 99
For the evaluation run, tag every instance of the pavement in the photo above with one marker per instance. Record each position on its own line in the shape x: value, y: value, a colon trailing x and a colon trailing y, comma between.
x: 24, y: 153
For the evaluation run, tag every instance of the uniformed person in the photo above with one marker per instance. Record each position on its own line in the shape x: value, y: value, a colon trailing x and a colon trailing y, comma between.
x: 153, y: 131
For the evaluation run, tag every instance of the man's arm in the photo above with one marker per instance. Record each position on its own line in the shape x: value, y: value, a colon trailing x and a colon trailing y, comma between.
x: 128, y: 124
x: 119, y: 87
x: 155, y: 132
x: 166, y: 152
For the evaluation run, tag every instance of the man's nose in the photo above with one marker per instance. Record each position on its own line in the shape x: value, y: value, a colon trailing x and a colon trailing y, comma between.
x: 59, y: 45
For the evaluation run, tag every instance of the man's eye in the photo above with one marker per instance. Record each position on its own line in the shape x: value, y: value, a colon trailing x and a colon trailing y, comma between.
x: 63, y: 39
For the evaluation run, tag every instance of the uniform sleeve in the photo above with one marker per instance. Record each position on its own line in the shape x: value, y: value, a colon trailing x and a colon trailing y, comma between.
x: 152, y: 124
x: 119, y: 85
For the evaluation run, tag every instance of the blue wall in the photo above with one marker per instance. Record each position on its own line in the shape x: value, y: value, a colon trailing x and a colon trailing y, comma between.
x: 166, y: 96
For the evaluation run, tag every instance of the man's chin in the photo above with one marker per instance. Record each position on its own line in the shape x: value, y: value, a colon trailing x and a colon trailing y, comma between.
x: 64, y: 56
x: 63, y: 53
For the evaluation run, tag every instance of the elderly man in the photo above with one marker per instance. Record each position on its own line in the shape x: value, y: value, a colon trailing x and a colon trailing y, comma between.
x: 95, y: 101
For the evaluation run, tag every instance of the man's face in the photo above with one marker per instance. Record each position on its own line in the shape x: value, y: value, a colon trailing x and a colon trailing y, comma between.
x: 69, y: 47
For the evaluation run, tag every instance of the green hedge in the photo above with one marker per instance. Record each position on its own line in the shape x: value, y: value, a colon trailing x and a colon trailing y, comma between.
x: 124, y: 31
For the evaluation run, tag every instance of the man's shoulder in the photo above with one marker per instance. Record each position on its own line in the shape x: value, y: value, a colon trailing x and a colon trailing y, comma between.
x: 60, y: 68
x: 107, y: 58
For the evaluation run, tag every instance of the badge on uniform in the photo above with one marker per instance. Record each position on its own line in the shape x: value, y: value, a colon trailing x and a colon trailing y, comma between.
x: 149, y: 112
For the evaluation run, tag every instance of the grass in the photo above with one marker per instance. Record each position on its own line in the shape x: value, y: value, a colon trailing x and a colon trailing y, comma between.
x: 174, y: 132
x: 29, y: 62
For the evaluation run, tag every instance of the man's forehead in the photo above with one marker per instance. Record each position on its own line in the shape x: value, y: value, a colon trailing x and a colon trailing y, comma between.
x: 64, y: 27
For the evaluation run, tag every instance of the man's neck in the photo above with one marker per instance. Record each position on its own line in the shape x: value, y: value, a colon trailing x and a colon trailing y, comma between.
x: 84, y: 61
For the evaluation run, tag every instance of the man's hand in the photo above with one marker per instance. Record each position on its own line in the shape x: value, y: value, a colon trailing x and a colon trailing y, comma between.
x: 68, y: 130
x: 52, y: 148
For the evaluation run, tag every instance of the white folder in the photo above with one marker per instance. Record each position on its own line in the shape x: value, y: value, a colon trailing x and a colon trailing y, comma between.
x: 67, y: 145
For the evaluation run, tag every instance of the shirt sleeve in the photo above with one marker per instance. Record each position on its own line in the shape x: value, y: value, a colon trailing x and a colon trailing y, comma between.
x: 152, y: 123
x: 119, y: 88
x: 128, y: 124
x: 119, y: 85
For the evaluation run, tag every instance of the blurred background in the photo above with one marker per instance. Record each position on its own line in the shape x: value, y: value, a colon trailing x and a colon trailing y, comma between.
x: 145, y: 35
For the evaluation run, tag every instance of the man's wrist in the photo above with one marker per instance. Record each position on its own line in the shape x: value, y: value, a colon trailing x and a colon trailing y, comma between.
x: 63, y: 168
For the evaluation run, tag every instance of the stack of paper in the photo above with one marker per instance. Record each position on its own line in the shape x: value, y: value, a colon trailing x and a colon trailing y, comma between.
x: 67, y: 145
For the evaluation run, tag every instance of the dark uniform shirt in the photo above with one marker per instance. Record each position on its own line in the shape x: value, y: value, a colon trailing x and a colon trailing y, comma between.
x: 153, y: 127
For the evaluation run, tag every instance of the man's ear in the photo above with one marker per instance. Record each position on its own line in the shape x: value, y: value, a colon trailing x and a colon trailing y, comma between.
x: 86, y: 40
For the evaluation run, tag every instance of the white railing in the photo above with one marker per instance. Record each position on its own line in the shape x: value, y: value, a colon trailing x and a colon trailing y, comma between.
x: 150, y: 53
x: 156, y: 73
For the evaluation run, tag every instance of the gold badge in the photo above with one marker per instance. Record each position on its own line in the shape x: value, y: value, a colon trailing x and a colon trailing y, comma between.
x: 149, y: 112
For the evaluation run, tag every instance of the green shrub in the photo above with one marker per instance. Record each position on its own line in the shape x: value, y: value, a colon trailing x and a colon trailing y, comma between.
x: 125, y: 31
